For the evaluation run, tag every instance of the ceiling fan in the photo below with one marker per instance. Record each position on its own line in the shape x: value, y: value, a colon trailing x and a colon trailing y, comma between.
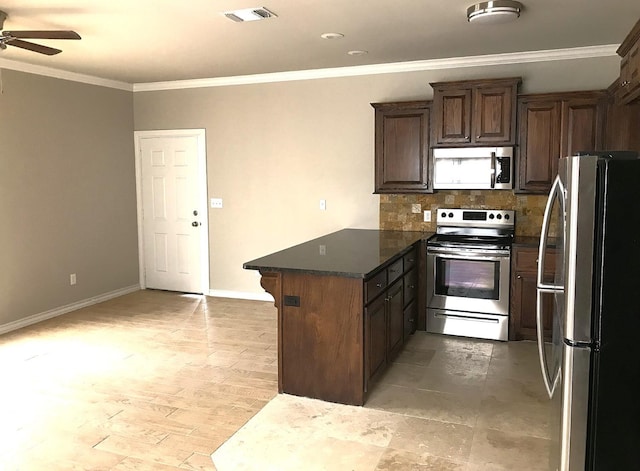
x: 15, y: 38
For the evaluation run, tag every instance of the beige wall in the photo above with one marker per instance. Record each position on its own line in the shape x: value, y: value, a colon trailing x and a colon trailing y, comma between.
x: 274, y: 150
x: 67, y: 193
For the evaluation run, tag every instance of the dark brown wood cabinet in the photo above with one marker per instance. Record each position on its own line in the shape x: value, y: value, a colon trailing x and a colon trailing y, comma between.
x: 402, y: 147
x: 554, y: 125
x: 376, y: 334
x: 390, y: 312
x: 629, y: 50
x: 623, y: 122
x: 522, y: 321
x: 475, y: 112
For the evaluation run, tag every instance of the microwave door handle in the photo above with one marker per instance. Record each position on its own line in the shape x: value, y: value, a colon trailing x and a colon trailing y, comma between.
x: 493, y: 169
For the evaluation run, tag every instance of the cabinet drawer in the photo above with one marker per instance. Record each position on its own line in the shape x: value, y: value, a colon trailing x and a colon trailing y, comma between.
x: 374, y: 286
x: 410, y: 286
x: 527, y: 260
x: 394, y: 271
x: 410, y: 259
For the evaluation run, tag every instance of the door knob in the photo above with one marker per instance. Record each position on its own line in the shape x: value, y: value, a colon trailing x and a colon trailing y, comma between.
x: 195, y: 224
x: 195, y: 212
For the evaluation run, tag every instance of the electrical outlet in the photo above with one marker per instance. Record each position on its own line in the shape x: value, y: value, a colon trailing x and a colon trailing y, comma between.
x: 323, y: 249
x: 216, y: 203
x: 427, y: 216
x: 323, y: 205
x: 72, y: 279
x: 416, y: 208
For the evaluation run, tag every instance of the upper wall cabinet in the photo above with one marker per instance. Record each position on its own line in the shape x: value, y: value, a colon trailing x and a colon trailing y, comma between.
x: 554, y: 125
x: 402, y: 147
x: 475, y: 112
x: 629, y: 50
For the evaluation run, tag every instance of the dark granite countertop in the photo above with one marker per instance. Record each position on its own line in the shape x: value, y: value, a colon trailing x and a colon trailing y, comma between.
x: 353, y: 253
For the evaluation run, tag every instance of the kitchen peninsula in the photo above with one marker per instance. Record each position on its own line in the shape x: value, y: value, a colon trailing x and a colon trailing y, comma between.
x: 346, y: 303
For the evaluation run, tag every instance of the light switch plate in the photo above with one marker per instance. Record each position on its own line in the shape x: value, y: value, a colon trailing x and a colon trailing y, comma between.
x: 427, y: 216
x: 216, y: 202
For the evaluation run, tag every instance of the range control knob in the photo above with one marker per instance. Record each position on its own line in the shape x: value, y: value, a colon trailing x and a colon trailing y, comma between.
x: 444, y: 215
x: 499, y: 216
x: 506, y: 216
x: 491, y: 216
x: 450, y: 215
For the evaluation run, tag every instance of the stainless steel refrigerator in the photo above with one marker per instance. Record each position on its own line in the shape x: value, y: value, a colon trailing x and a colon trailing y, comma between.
x: 591, y: 368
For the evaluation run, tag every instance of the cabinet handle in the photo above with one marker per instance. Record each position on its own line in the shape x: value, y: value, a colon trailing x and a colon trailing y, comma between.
x: 411, y: 260
x: 466, y: 137
x: 378, y: 285
x: 477, y: 137
x: 519, y: 277
x: 412, y: 286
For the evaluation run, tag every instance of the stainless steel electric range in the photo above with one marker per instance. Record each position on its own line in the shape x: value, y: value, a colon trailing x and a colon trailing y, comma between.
x: 468, y: 273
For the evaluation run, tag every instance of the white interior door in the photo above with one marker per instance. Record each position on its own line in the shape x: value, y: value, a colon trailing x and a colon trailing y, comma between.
x: 172, y: 210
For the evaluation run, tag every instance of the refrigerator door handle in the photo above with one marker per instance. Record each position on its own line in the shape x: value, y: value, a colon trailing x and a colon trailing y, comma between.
x: 557, y: 191
x: 549, y: 382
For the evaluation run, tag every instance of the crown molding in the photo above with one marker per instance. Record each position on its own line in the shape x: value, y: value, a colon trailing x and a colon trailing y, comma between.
x: 390, y: 68
x: 61, y: 74
x: 335, y: 72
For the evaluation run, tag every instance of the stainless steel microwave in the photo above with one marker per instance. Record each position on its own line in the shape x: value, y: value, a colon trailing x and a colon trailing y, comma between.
x: 473, y: 168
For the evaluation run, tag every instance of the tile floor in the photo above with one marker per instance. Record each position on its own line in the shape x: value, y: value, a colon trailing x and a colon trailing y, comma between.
x: 156, y: 380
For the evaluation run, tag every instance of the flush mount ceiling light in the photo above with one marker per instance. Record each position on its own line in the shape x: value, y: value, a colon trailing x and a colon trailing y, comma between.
x: 357, y: 53
x: 250, y: 14
x: 498, y: 11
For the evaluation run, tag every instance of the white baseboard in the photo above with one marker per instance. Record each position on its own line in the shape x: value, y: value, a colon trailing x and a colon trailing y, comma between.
x: 43, y: 316
x: 219, y: 293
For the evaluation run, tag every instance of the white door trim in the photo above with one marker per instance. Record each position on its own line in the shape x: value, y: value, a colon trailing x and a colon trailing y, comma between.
x: 203, y: 209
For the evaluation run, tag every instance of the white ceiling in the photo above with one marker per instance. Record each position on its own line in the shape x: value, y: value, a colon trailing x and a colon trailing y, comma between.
x: 140, y: 41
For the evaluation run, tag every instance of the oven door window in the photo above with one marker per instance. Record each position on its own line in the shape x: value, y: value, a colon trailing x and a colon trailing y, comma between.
x: 464, y: 278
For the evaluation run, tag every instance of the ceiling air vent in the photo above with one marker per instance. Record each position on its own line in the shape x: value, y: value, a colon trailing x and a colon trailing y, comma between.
x: 250, y: 14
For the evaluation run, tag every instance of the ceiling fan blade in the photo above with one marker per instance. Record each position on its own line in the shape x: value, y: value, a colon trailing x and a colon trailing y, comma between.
x: 49, y: 51
x: 42, y: 34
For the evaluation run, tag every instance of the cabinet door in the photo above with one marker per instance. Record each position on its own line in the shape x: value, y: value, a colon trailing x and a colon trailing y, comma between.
x: 630, y: 75
x: 410, y: 313
x: 582, y: 125
x: 395, y: 313
x: 452, y: 109
x: 539, y: 150
x: 402, y: 150
x: 376, y: 337
x: 524, y: 308
x: 493, y: 115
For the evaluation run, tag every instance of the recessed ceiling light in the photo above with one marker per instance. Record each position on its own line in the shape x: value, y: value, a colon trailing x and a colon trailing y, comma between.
x: 497, y: 11
x: 332, y: 35
x: 250, y: 14
x: 357, y: 53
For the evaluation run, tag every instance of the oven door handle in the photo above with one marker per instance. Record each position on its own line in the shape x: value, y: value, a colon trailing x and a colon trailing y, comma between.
x: 467, y: 252
x: 467, y: 256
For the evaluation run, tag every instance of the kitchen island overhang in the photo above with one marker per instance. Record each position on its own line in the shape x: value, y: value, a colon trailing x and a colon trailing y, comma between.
x: 346, y: 303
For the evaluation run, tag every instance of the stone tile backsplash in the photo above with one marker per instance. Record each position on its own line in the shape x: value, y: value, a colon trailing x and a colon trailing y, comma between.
x: 395, y: 210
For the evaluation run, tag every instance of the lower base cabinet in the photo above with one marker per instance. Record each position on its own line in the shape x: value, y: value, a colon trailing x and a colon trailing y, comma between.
x: 523, y: 294
x: 337, y: 333
x: 376, y: 337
